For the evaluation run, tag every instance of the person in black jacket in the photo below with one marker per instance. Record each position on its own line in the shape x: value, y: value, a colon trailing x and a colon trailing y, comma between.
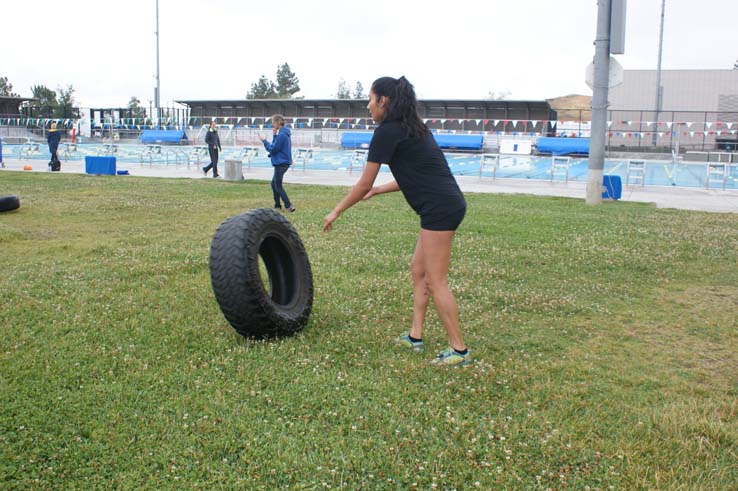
x: 53, y: 138
x: 213, y: 141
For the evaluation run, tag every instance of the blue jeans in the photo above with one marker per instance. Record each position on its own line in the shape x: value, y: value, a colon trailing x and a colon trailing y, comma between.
x: 277, y: 188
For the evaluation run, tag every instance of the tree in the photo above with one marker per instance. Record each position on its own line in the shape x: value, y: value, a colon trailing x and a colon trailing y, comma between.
x: 46, y: 104
x: 735, y: 65
x: 136, y: 109
x: 263, y: 89
x: 499, y: 96
x: 343, y: 90
x: 286, y: 86
x: 359, y: 91
x: 65, y: 105
x: 287, y: 82
x: 6, y: 88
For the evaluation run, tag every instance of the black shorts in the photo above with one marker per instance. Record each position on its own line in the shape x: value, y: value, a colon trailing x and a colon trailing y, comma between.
x: 441, y: 222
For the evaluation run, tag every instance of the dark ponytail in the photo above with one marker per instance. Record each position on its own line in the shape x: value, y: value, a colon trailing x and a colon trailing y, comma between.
x: 402, y: 106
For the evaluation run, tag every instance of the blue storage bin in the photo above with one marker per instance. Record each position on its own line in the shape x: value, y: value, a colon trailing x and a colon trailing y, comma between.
x: 612, y: 187
x: 100, y: 165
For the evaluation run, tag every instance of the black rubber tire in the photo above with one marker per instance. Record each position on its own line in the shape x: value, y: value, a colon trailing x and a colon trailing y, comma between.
x: 9, y: 203
x: 239, y: 289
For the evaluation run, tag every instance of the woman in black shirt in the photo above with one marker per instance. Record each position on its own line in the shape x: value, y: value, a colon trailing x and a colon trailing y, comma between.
x: 404, y: 143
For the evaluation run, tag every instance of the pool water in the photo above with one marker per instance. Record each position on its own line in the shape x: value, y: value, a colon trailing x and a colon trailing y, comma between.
x: 658, y: 173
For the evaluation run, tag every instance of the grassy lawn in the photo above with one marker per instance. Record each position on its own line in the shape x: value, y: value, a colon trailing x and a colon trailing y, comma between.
x: 605, y: 338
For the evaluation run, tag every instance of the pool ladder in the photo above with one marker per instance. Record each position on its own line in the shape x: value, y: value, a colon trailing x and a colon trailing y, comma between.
x: 489, y: 159
x: 636, y: 172
x: 248, y: 154
x: 303, y: 155
x: 717, y: 173
x: 358, y: 159
x: 196, y: 154
x: 558, y: 164
x: 28, y: 149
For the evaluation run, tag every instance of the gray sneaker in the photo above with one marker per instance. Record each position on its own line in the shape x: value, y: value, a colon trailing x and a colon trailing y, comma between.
x: 404, y: 340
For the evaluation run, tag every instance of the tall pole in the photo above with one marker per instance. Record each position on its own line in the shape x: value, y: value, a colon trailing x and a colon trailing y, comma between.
x: 659, y: 88
x: 157, y: 92
x: 599, y: 104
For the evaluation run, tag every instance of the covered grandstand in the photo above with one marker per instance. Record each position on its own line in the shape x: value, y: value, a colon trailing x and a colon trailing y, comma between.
x: 351, y: 114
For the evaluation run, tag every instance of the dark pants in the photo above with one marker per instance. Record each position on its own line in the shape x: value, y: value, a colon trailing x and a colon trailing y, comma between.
x: 55, y: 163
x: 277, y: 188
x: 213, y: 161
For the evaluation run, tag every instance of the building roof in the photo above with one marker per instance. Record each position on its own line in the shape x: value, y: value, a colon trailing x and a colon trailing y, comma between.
x: 356, y: 108
x: 10, y: 106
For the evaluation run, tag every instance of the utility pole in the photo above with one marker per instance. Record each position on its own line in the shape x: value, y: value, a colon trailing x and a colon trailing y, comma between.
x: 599, y: 104
x: 157, y: 91
x: 659, y: 88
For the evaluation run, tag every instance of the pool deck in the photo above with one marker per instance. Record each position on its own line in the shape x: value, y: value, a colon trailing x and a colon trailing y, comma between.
x: 700, y: 199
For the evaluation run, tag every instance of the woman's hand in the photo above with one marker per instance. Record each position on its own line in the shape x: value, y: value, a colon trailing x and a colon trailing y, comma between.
x: 329, y: 219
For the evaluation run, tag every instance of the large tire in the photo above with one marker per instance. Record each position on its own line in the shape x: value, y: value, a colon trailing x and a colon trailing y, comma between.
x: 253, y: 309
x: 8, y: 203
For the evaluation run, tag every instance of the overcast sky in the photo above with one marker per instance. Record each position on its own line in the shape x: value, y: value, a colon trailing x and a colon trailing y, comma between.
x: 463, y: 49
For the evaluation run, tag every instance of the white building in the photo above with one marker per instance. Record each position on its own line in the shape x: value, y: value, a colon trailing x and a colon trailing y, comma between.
x: 683, y: 90
x: 699, y: 108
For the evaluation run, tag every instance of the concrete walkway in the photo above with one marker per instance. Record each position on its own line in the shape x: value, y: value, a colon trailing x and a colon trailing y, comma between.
x: 712, y: 200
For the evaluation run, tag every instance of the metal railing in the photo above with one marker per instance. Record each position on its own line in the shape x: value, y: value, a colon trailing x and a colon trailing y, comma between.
x: 649, y: 131
x: 628, y: 130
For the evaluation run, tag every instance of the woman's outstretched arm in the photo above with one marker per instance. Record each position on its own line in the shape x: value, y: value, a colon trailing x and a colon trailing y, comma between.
x: 358, y: 191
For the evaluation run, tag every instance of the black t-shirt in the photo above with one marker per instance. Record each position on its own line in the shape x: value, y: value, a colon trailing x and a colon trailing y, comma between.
x: 419, y: 167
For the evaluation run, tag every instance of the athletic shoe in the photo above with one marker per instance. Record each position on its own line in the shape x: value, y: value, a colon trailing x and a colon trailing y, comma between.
x: 205, y: 170
x: 277, y: 207
x: 450, y: 357
x: 404, y: 340
x: 291, y: 209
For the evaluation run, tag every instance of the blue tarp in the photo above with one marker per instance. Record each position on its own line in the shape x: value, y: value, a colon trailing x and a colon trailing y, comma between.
x: 563, y: 146
x: 445, y: 141
x: 612, y: 187
x: 459, y: 142
x: 356, y: 140
x: 162, y: 136
x: 99, y: 165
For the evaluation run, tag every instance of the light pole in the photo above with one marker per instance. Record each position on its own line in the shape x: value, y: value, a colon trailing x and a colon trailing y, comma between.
x: 599, y: 105
x: 610, y: 38
x: 659, y: 88
x: 157, y: 90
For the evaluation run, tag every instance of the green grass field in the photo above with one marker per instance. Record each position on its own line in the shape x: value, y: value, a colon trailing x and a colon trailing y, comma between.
x: 605, y: 339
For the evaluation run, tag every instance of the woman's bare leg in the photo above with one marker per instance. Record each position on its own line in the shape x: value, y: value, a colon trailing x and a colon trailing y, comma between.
x: 436, y: 254
x: 420, y: 291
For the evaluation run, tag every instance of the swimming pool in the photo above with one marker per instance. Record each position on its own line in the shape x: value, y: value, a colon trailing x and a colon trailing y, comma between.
x: 657, y: 173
